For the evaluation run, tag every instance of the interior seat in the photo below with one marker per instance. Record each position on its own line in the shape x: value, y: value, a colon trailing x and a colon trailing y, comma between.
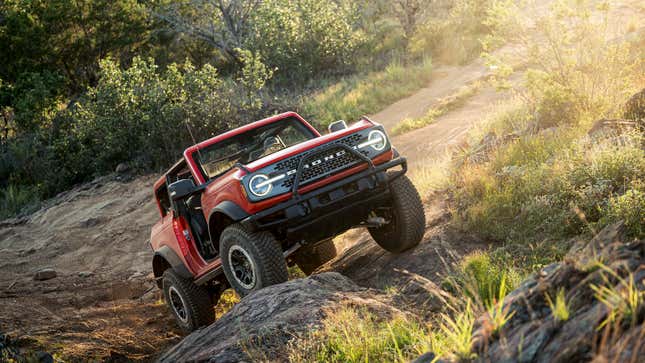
x: 199, y: 226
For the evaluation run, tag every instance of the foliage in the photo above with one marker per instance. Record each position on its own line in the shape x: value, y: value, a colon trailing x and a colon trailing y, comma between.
x: 159, y: 112
x: 296, y: 38
x: 543, y: 177
x: 623, y: 300
x: 14, y: 199
x: 575, y: 67
x: 453, y: 31
x: 559, y: 307
x: 140, y: 115
x: 356, y: 335
x: 483, y: 278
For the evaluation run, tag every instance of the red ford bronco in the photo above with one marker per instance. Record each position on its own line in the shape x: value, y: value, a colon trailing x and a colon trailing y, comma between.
x: 242, y: 206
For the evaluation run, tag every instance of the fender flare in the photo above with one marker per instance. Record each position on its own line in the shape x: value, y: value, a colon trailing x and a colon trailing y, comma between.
x: 230, y: 209
x: 177, y: 265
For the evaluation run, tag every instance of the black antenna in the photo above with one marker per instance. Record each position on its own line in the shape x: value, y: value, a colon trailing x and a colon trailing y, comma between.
x: 190, y: 132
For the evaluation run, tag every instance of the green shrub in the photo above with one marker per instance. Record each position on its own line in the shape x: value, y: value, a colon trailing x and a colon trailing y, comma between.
x: 630, y: 208
x: 147, y: 117
x: 15, y: 199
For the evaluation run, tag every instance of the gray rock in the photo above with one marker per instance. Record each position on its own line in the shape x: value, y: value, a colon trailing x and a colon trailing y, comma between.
x: 122, y: 168
x: 45, y: 274
x: 534, y: 335
x: 85, y: 274
x: 268, y: 318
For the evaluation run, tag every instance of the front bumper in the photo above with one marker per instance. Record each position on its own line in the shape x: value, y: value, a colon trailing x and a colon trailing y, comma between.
x: 332, y: 209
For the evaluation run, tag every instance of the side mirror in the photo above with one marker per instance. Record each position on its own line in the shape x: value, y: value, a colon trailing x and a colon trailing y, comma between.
x: 181, y: 189
x: 337, y: 126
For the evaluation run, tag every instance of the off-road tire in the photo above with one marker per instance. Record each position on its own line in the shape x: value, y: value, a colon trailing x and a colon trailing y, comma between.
x: 309, y: 258
x: 407, y: 219
x: 269, y: 265
x: 198, y: 303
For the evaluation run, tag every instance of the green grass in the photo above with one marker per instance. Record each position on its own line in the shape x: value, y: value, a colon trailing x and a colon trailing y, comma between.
x: 482, y: 278
x: 363, y: 94
x: 442, y: 107
x: 356, y: 335
x: 623, y: 300
x: 549, y: 185
x: 559, y: 307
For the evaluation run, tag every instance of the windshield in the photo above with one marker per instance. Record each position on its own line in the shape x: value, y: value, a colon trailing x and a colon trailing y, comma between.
x: 251, y: 145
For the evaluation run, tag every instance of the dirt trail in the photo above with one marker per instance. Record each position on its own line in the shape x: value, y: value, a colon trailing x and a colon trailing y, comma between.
x: 444, y: 82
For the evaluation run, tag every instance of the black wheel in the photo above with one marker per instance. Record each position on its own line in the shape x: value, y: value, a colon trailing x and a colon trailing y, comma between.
x: 251, y: 260
x: 405, y: 216
x: 191, y: 304
x: 309, y: 258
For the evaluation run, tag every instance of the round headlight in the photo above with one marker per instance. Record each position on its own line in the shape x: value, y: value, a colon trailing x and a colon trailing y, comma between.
x: 259, y: 186
x: 377, y: 139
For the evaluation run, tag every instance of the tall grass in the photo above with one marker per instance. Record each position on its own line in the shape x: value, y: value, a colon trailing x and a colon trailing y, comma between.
x: 356, y: 335
x: 363, y: 94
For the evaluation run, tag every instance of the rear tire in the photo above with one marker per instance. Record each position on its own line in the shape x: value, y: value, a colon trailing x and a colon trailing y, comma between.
x: 190, y: 304
x: 309, y: 258
x: 406, y: 216
x: 251, y: 260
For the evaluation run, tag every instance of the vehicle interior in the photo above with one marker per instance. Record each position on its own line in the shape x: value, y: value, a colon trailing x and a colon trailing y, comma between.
x: 217, y: 159
x: 191, y: 209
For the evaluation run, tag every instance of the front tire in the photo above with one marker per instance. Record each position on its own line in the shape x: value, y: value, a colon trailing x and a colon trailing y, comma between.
x: 251, y: 260
x: 310, y: 258
x: 190, y: 304
x: 406, y: 218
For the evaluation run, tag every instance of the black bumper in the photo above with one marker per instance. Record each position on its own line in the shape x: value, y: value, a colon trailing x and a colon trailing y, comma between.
x: 332, y: 209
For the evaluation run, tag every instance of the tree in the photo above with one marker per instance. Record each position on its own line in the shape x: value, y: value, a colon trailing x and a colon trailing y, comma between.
x: 410, y: 13
x: 223, y: 24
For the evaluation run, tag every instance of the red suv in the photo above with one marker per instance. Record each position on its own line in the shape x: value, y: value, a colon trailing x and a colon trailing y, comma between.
x: 242, y: 206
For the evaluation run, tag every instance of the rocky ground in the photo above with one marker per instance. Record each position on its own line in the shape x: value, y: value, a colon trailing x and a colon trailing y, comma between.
x: 266, y: 320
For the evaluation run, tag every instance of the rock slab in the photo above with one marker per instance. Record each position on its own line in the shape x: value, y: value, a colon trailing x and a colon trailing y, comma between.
x: 266, y: 319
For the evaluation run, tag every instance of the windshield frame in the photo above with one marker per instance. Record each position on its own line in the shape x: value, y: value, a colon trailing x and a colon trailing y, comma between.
x: 194, y: 158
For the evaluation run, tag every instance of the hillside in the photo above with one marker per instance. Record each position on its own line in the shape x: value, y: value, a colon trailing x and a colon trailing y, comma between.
x: 533, y: 192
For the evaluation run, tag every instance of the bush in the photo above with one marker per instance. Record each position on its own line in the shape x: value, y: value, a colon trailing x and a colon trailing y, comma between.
x: 14, y: 199
x: 303, y: 38
x: 548, y: 185
x: 139, y: 115
x: 452, y: 34
x: 630, y: 208
x: 147, y: 117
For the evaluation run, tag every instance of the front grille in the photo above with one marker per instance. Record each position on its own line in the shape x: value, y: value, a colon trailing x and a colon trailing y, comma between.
x: 326, y: 167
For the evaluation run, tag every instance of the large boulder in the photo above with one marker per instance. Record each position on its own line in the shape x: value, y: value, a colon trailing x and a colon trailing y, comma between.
x: 266, y: 319
x: 533, y: 334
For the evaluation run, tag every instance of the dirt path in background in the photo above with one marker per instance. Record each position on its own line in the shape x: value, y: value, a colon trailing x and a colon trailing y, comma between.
x: 445, y: 81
